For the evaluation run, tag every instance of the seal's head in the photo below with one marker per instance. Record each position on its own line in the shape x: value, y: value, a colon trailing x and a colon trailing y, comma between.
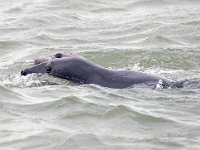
x: 74, y: 69
x: 40, y: 63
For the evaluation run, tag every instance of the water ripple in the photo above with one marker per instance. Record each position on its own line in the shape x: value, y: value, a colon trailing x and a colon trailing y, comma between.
x: 159, y: 37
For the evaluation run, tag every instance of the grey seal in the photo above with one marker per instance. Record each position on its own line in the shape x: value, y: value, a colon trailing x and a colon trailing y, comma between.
x: 83, y: 71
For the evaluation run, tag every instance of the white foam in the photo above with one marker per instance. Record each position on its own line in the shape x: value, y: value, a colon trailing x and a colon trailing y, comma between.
x: 24, y: 81
x: 160, y: 84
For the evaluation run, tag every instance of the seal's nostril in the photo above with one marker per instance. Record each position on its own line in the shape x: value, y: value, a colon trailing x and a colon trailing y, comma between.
x: 48, y: 68
x: 23, y: 73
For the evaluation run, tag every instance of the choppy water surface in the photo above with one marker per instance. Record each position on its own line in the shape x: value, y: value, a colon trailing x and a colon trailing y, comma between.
x: 160, y: 37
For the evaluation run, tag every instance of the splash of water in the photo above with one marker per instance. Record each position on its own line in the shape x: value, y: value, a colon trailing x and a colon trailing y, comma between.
x: 30, y: 80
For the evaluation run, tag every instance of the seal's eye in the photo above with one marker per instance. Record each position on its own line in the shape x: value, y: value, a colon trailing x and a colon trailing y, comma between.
x: 58, y: 55
x: 48, y: 68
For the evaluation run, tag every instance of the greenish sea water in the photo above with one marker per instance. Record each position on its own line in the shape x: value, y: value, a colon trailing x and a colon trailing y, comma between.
x: 159, y: 37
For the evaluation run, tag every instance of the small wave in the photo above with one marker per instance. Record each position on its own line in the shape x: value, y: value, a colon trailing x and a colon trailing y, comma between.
x: 136, y: 115
x: 192, y: 22
x: 108, y: 10
x: 14, y: 10
x: 52, y: 38
x: 61, y: 103
x: 160, y: 41
x: 8, y: 94
x: 10, y: 97
x: 79, y: 141
x: 10, y: 44
x: 31, y: 80
x: 160, y: 3
x: 147, y: 3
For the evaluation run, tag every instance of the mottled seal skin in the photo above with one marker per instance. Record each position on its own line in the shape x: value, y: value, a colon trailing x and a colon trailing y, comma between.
x: 80, y: 70
x: 56, y: 55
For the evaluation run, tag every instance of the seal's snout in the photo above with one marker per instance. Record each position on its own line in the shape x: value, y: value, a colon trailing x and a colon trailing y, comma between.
x: 23, y: 73
x: 48, y: 68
